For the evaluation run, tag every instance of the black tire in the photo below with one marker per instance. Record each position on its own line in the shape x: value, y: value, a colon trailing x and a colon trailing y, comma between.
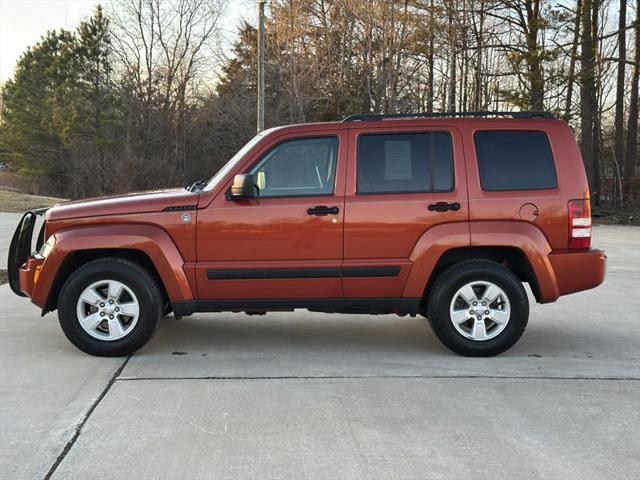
x: 455, y: 277
x: 136, y: 278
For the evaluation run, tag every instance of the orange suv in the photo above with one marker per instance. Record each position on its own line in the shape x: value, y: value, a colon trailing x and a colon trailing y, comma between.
x: 443, y: 215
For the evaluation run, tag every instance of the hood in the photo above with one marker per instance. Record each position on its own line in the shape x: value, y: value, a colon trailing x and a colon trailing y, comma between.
x: 143, y: 202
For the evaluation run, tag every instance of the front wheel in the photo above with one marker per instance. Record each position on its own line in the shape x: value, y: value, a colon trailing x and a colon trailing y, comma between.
x: 110, y: 307
x: 478, y: 308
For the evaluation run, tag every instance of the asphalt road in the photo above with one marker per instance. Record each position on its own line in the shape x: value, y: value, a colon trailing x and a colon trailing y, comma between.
x: 311, y: 396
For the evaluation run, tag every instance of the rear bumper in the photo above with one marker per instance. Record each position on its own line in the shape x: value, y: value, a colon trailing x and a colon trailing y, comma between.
x: 578, y: 270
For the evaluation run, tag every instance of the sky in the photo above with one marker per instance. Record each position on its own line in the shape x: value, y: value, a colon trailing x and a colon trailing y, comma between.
x: 23, y: 22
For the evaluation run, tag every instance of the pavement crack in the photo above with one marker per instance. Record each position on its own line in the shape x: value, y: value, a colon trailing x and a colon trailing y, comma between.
x: 382, y: 377
x: 78, y: 430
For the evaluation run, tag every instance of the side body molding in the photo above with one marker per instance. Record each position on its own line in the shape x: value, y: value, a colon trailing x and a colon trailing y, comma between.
x: 430, y: 247
x: 149, y: 239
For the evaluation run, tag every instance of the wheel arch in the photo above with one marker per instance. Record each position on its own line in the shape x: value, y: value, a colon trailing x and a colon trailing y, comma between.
x: 520, y: 245
x: 77, y: 259
x: 510, y: 257
x: 148, y: 245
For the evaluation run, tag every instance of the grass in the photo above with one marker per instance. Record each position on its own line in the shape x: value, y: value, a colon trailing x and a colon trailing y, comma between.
x: 628, y: 216
x: 17, y: 202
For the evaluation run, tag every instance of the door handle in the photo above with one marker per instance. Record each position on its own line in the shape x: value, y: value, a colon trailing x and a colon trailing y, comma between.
x: 322, y: 210
x: 444, y: 206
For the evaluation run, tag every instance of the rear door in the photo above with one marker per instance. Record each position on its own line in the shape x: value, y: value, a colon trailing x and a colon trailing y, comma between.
x: 400, y: 183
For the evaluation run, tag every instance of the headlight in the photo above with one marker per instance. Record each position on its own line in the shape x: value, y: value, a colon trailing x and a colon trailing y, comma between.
x: 46, y: 248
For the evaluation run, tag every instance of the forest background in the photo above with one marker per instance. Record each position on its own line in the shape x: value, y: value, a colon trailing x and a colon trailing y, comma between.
x: 147, y: 94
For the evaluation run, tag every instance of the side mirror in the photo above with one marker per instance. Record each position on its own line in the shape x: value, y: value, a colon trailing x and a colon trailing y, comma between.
x: 243, y: 187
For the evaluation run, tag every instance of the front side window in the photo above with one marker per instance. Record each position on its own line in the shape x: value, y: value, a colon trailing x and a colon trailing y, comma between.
x: 302, y: 167
x: 405, y: 163
x: 515, y: 160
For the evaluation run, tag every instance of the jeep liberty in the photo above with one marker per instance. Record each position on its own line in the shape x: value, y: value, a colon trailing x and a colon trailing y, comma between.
x: 442, y: 215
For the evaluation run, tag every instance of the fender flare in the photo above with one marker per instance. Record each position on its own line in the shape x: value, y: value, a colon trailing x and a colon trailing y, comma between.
x: 530, y: 240
x: 148, y: 239
x: 524, y: 236
x: 427, y: 252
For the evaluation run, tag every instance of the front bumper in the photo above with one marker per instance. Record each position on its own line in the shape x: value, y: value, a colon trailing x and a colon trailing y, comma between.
x: 578, y: 270
x: 29, y: 274
x: 22, y: 265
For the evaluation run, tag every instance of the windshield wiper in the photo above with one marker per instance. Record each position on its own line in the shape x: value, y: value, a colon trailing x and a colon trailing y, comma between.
x: 196, y: 186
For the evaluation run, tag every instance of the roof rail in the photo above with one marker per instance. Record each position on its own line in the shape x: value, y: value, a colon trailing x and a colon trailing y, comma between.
x: 368, y: 117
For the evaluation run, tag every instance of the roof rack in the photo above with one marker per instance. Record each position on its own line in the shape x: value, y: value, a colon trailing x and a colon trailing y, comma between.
x: 368, y: 117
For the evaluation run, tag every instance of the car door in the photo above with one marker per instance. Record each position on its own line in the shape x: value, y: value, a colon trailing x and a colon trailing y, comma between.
x: 287, y: 242
x: 401, y: 182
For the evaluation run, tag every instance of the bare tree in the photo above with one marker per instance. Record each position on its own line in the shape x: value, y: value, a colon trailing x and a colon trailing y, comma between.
x: 163, y: 49
x: 622, y: 56
x: 452, y: 29
x: 587, y: 93
x: 631, y: 158
x: 572, y: 60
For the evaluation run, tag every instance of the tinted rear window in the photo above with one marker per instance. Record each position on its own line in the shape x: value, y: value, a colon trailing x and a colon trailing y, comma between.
x: 405, y: 163
x: 515, y: 160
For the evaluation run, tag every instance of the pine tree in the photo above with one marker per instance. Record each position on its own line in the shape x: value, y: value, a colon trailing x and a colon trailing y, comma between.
x: 29, y: 138
x: 60, y: 112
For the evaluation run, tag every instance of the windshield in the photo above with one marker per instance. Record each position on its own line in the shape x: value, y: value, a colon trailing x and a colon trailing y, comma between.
x: 232, y: 163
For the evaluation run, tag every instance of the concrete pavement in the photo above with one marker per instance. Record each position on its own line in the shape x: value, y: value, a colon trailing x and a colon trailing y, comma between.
x: 8, y: 223
x: 304, y: 395
x: 45, y: 388
x: 361, y: 428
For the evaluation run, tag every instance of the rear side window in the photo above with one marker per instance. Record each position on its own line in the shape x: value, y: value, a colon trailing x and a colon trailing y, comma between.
x: 405, y: 163
x: 515, y: 160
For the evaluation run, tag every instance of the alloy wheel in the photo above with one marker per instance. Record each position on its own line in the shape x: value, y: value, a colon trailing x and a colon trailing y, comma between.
x: 108, y: 310
x: 480, y: 310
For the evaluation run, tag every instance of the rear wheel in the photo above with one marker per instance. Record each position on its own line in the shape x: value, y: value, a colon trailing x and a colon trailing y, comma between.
x: 110, y: 307
x: 478, y: 308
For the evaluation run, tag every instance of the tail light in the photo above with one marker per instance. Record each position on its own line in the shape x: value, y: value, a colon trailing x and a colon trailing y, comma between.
x: 580, y: 223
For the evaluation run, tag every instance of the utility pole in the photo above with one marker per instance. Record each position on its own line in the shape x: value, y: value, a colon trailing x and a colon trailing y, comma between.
x: 261, y: 65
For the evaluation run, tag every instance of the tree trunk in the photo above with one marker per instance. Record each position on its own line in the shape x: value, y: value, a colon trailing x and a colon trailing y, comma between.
x: 587, y: 94
x: 597, y: 112
x: 477, y: 100
x: 572, y: 61
x: 432, y: 34
x: 451, y: 90
x: 632, y: 126
x: 463, y: 100
x: 536, y: 94
x: 622, y: 56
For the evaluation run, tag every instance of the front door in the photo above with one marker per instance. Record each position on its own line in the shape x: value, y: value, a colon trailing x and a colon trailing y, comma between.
x: 287, y: 242
x: 402, y: 181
